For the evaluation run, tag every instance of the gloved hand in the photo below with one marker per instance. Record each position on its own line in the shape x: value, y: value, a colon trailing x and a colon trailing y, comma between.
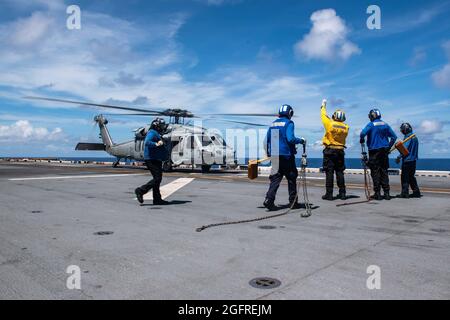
x: 324, y: 102
x: 398, y: 159
x: 362, y: 140
x: 159, y: 143
x: 303, y: 141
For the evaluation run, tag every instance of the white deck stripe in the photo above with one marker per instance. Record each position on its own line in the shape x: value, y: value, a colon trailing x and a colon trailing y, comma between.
x: 168, y: 189
x: 79, y: 177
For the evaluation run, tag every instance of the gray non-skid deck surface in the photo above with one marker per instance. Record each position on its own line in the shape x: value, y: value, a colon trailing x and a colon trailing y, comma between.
x: 155, y: 253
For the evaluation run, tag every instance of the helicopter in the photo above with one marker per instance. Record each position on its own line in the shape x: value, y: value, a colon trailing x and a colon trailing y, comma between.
x: 186, y: 144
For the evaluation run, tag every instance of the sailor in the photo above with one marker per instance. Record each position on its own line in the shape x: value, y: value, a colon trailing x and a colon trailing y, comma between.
x: 408, y: 177
x: 380, y: 139
x: 280, y: 146
x: 336, y: 132
x: 154, y: 155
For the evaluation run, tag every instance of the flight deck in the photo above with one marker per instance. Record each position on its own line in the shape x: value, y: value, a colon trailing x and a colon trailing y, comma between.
x: 58, y: 215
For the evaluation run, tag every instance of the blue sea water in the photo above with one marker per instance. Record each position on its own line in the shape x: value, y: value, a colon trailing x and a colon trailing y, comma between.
x: 351, y: 163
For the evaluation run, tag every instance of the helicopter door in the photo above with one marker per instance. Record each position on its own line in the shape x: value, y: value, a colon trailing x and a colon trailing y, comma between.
x: 197, y: 149
x: 139, y: 148
x: 189, y: 150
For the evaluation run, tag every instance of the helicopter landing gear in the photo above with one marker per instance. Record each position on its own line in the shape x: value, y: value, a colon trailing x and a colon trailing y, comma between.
x: 205, y: 168
x: 116, y: 163
x: 167, y: 166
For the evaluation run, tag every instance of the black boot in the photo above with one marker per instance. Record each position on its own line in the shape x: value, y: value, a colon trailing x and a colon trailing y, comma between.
x: 342, y: 195
x: 377, y: 196
x: 387, y: 196
x: 269, y: 204
x: 328, y: 196
x: 139, y: 195
x: 416, y: 194
x: 160, y: 202
x: 294, y: 205
x: 403, y: 195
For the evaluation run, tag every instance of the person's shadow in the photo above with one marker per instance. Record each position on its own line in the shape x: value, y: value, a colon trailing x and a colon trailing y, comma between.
x: 173, y: 202
x: 287, y: 206
x: 349, y: 197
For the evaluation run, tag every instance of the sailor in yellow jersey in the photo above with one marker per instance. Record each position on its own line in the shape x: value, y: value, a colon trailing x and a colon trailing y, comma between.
x: 336, y: 132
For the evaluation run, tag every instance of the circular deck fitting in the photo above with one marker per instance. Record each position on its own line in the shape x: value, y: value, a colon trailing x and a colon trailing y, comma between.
x: 265, y: 283
x: 267, y: 227
x: 103, y: 233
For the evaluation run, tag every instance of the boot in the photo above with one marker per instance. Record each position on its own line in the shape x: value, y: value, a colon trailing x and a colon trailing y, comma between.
x: 377, y: 196
x: 328, y: 196
x: 160, y: 202
x: 294, y: 205
x: 387, y: 196
x: 269, y: 204
x: 342, y: 195
x: 403, y: 195
x: 139, y: 196
x: 416, y: 194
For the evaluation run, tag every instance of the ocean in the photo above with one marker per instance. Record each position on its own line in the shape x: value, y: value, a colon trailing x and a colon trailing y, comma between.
x: 351, y: 163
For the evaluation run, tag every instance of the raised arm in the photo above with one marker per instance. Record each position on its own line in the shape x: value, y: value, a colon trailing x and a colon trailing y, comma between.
x: 323, y: 113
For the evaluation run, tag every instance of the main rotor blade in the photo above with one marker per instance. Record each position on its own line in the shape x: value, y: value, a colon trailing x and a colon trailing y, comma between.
x: 240, y: 122
x: 240, y: 114
x: 131, y: 114
x: 95, y: 105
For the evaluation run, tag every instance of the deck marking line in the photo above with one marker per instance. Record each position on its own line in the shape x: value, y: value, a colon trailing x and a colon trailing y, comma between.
x: 171, y: 187
x: 79, y: 177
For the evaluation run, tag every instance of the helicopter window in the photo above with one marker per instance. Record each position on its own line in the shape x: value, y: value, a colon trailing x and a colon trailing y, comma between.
x: 138, y: 145
x: 206, y: 141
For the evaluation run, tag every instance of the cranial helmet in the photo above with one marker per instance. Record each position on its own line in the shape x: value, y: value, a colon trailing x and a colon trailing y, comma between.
x: 339, y: 115
x: 158, y: 124
x: 374, y: 114
x: 405, y: 128
x: 286, y: 111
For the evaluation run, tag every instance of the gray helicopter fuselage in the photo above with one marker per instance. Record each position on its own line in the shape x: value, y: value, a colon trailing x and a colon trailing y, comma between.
x: 186, y: 145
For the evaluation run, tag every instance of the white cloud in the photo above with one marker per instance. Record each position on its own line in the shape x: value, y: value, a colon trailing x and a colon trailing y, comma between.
x: 419, y: 56
x: 441, y: 77
x: 29, y: 31
x: 219, y: 2
x: 23, y: 130
x: 327, y: 39
x: 430, y: 127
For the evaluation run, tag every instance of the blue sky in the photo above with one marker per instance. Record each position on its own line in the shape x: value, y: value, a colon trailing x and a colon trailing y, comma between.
x: 222, y: 56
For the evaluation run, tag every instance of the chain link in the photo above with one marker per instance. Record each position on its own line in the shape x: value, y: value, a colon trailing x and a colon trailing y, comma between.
x: 302, y: 182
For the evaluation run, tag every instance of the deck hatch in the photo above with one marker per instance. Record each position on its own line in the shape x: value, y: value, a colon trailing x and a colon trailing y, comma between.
x: 265, y: 283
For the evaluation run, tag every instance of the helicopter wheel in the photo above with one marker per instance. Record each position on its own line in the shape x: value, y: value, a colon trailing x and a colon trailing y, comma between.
x: 116, y: 163
x: 205, y: 168
x: 167, y: 166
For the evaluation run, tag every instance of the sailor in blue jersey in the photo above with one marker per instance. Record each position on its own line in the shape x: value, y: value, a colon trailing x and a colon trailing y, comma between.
x: 408, y: 177
x: 380, y: 139
x: 154, y: 155
x: 280, y: 146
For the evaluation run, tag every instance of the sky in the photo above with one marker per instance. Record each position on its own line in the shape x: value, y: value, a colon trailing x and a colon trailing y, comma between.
x: 222, y: 56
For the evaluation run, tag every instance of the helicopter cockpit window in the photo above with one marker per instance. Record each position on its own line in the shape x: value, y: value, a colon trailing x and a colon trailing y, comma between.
x: 206, y: 141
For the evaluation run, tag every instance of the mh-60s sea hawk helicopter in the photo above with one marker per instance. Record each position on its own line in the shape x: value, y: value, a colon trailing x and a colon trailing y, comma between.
x: 187, y: 144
